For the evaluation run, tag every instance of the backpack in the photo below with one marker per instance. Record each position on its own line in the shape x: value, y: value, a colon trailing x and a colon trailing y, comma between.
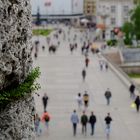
x: 47, y: 118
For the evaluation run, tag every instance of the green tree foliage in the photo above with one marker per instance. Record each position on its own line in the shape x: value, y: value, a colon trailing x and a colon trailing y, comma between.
x: 132, y: 28
x: 136, y: 21
x: 137, y: 1
x: 128, y: 29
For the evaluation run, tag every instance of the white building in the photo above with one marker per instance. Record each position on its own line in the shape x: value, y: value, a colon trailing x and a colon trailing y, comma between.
x: 113, y: 13
x: 57, y: 7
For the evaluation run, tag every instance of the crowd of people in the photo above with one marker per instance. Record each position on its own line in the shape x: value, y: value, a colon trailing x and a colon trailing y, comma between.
x: 82, y: 100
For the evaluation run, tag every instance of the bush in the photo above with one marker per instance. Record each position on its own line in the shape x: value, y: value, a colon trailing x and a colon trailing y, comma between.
x: 24, y: 89
x: 112, y: 42
x: 128, y: 41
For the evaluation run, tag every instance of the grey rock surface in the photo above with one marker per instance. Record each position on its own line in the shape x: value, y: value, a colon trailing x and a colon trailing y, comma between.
x: 16, y: 120
x: 15, y: 36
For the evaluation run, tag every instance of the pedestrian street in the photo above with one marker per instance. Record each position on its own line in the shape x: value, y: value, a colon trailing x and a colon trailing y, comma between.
x: 61, y: 79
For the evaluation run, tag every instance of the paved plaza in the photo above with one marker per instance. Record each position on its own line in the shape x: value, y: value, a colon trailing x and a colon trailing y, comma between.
x: 61, y: 79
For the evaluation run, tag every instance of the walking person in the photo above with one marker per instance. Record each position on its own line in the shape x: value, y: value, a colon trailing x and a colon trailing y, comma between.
x: 84, y: 121
x: 108, y: 120
x: 46, y: 118
x: 132, y: 91
x: 84, y: 74
x: 79, y: 100
x: 101, y: 65
x: 45, y: 101
x: 92, y: 121
x: 75, y: 121
x: 86, y: 61
x: 137, y: 102
x: 106, y: 66
x: 108, y: 95
x: 86, y: 99
x: 37, y: 125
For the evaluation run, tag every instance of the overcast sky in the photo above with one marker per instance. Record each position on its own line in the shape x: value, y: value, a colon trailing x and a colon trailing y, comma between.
x: 58, y: 6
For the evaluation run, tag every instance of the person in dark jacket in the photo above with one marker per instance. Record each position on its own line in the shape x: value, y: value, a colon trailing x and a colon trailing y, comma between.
x: 108, y: 96
x: 92, y: 121
x: 84, y: 120
x: 132, y: 90
x: 108, y: 120
x: 84, y: 74
x: 45, y: 101
x: 137, y: 102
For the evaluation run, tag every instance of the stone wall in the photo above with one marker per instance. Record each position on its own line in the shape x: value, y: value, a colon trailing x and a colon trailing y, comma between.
x: 131, y: 55
x: 135, y: 69
x: 15, y: 63
x: 15, y: 41
x: 16, y: 121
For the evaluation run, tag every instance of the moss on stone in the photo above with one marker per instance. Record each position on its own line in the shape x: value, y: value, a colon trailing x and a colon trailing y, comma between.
x: 26, y: 88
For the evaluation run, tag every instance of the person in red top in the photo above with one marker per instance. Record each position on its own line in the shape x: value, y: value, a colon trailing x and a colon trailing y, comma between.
x: 46, y: 118
x: 86, y: 62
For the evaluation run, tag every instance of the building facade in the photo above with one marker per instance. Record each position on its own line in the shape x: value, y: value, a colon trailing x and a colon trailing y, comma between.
x: 89, y: 7
x: 57, y: 7
x: 113, y: 13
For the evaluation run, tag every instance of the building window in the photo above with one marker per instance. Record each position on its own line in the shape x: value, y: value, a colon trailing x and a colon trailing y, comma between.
x: 113, y: 9
x: 113, y: 21
x: 126, y: 9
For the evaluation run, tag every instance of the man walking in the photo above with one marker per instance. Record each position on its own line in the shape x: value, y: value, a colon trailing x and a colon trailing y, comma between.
x: 137, y: 102
x: 79, y: 100
x: 84, y: 120
x: 75, y: 121
x: 108, y: 120
x: 86, y: 61
x: 108, y: 96
x: 84, y: 74
x: 92, y: 121
x: 45, y: 101
x: 132, y: 90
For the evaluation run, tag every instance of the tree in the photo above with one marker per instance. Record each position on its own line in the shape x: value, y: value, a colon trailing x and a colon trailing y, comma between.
x: 128, y: 29
x: 136, y: 1
x: 136, y: 21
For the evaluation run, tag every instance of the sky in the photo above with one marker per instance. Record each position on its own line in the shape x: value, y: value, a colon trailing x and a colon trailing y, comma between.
x: 58, y: 6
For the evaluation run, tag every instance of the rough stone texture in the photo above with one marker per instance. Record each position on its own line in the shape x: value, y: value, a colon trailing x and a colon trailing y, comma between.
x: 15, y: 63
x: 15, y: 41
x: 16, y: 121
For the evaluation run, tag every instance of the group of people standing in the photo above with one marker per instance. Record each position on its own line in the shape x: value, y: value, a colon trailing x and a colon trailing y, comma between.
x: 84, y: 120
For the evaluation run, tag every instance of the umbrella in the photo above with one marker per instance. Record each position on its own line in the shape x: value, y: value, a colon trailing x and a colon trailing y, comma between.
x: 84, y: 20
